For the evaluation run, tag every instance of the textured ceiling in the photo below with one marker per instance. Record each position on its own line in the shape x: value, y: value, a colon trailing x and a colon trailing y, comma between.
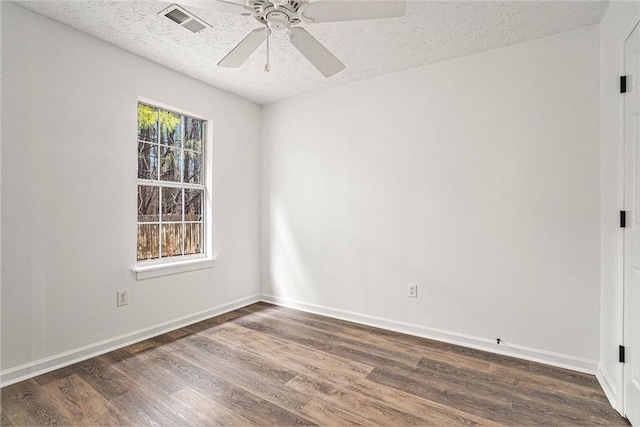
x: 430, y: 32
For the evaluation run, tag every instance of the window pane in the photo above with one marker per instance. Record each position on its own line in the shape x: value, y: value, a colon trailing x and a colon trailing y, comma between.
x: 148, y: 203
x: 193, y: 204
x: 193, y: 238
x: 147, y: 123
x: 171, y: 204
x: 147, y: 161
x: 170, y: 164
x: 170, y: 150
x: 148, y: 241
x: 171, y: 239
x: 193, y: 134
x: 170, y: 129
x: 192, y: 167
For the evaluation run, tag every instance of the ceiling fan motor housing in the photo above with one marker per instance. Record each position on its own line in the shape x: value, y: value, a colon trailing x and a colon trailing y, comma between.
x: 265, y: 12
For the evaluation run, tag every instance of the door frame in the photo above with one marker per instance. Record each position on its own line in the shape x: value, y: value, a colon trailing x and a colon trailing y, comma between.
x: 635, y: 22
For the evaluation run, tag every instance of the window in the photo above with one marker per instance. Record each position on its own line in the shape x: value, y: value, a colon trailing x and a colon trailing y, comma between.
x: 171, y: 185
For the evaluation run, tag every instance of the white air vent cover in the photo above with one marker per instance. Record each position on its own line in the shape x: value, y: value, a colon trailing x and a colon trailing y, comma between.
x: 184, y: 18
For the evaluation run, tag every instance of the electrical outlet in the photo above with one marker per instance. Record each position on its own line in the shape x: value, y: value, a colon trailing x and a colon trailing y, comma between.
x: 123, y: 298
x: 413, y: 290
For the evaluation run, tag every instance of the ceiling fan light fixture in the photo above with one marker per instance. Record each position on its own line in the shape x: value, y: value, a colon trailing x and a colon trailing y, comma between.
x: 278, y: 22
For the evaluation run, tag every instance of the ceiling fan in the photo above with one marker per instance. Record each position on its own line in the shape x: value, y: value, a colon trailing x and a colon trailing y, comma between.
x: 283, y: 16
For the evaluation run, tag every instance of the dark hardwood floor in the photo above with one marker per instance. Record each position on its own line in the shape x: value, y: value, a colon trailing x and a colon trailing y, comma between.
x: 267, y: 365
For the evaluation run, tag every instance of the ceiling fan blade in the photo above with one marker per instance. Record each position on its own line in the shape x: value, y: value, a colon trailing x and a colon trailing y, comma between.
x: 350, y: 10
x: 217, y: 5
x: 315, y: 52
x: 244, y: 49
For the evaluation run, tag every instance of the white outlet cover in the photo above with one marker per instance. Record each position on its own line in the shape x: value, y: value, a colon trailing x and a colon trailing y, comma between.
x: 123, y: 298
x: 413, y: 291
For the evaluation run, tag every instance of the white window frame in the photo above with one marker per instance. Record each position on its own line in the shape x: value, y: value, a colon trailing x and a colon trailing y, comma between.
x: 147, y: 269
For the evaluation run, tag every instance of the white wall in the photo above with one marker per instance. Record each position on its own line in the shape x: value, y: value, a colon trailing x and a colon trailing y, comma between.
x: 614, y: 28
x: 477, y: 179
x: 69, y: 196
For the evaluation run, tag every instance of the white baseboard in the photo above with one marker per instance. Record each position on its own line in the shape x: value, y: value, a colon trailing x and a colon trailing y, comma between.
x: 506, y: 349
x: 608, y: 386
x: 41, y: 366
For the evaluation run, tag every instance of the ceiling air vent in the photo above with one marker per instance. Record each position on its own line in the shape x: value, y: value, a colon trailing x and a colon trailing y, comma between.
x: 184, y: 18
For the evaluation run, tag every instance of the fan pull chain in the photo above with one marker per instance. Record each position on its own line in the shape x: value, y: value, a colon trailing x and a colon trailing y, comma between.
x: 267, y: 66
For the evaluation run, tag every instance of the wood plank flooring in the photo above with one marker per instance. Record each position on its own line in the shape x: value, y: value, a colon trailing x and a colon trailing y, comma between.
x: 268, y: 365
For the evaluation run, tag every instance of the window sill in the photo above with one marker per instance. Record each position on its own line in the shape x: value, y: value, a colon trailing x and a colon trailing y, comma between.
x: 157, y: 270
